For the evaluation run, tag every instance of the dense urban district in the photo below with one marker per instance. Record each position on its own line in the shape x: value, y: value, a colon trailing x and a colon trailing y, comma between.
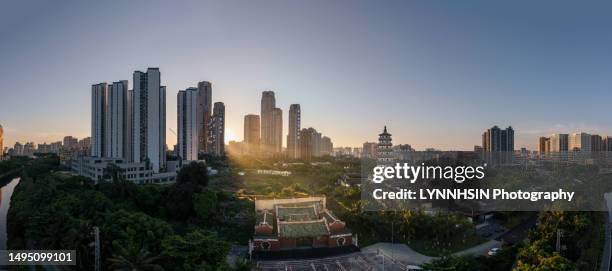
x: 124, y: 201
x: 203, y: 222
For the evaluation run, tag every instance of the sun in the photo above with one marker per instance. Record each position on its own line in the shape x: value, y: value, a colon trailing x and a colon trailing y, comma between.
x: 229, y: 135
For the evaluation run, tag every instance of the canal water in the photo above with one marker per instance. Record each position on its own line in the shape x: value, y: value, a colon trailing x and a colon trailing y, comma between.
x: 5, y: 202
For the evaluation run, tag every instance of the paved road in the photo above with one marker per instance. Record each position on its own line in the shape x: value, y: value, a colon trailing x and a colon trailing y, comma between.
x: 403, y: 252
x: 400, y: 252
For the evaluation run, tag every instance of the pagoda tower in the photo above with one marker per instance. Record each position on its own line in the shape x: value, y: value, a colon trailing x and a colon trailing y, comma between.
x: 385, y: 148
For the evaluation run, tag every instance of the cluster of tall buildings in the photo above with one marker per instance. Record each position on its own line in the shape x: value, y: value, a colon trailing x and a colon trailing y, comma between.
x: 263, y: 134
x: 128, y: 128
x: 200, y: 124
x: 576, y: 142
x: 130, y: 123
x: 495, y: 139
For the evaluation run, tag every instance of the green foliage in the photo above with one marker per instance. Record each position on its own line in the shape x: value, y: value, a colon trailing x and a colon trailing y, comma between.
x: 133, y: 258
x: 205, y: 204
x: 56, y: 211
x: 434, y: 235
x: 196, y: 250
x: 547, y: 263
x: 500, y: 262
x: 179, y: 200
x: 540, y: 254
x: 195, y: 173
x: 122, y: 228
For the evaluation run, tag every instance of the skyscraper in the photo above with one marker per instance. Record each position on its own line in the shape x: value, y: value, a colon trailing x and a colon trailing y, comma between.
x: 98, y: 123
x: 187, y: 124
x: 307, y: 143
x: 294, y: 131
x: 110, y: 120
x: 251, y: 132
x: 327, y: 146
x: 497, y: 140
x: 277, y: 130
x: 149, y: 119
x: 204, y: 114
x: 580, y: 142
x: 268, y: 103
x: 596, y: 143
x: 217, y: 130
x: 544, y: 144
x: 607, y: 144
x: 559, y: 143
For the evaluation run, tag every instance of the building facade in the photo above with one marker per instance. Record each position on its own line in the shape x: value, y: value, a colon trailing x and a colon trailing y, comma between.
x: 188, y: 124
x: 368, y: 150
x: 544, y: 144
x: 308, y: 143
x: 596, y: 143
x: 498, y: 140
x: 295, y: 115
x: 251, y: 133
x: 149, y: 119
x: 216, y: 139
x: 580, y: 142
x: 277, y: 130
x: 559, y: 143
x: 268, y: 103
x: 271, y: 124
x: 110, y: 120
x: 327, y: 146
x: 71, y: 142
x: 204, y: 110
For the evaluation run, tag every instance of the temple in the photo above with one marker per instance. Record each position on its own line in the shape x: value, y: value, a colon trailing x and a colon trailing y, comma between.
x: 297, y: 223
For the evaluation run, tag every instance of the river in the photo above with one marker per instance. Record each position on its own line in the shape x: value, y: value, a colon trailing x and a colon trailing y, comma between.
x: 5, y: 202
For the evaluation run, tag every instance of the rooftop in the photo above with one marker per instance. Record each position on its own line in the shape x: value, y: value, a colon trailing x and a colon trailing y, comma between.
x: 302, y: 229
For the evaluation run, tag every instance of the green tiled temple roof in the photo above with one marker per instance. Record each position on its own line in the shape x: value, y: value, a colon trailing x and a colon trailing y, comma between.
x: 302, y: 229
x: 302, y: 213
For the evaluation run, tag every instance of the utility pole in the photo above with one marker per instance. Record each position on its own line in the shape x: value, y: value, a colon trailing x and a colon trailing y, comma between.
x: 97, y: 248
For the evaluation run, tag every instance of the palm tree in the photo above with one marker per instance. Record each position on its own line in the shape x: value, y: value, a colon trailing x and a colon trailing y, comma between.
x: 131, y: 258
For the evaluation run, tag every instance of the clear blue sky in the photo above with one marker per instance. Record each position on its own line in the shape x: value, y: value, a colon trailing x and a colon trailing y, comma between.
x: 436, y: 72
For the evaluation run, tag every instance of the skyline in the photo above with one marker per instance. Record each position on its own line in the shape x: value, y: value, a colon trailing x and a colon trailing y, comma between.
x: 542, y: 70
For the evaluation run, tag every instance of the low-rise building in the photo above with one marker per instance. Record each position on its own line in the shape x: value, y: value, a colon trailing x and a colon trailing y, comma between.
x: 297, y: 223
x: 97, y: 169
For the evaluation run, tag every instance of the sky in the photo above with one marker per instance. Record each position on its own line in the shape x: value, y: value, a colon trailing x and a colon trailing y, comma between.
x: 437, y: 73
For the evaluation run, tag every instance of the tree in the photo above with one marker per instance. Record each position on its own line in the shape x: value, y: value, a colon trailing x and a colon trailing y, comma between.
x: 194, y: 172
x: 179, y: 200
x: 196, y: 250
x: 205, y: 204
x: 132, y: 258
x: 123, y: 229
